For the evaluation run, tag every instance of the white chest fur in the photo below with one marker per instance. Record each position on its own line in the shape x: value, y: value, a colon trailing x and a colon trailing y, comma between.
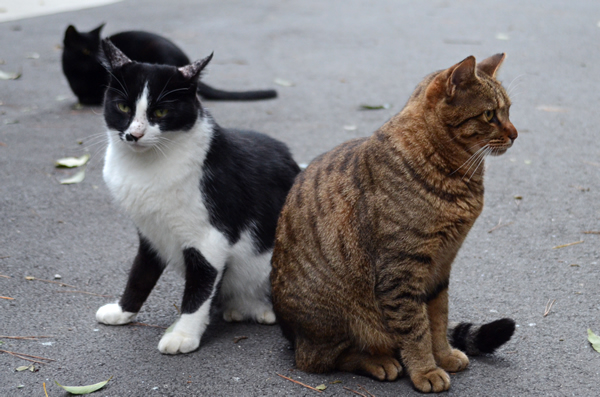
x: 160, y: 189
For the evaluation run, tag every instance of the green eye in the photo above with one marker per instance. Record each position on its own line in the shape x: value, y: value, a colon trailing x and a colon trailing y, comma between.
x: 86, y: 51
x: 123, y: 108
x: 161, y: 113
x: 489, y: 115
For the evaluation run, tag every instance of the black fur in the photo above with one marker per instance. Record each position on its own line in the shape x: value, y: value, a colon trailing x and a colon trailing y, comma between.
x: 484, y: 339
x: 247, y: 178
x: 145, y: 272
x: 200, y: 279
x: 88, y: 78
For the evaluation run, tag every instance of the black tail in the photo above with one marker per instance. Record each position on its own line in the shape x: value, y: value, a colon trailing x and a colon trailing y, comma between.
x: 484, y: 339
x: 207, y: 92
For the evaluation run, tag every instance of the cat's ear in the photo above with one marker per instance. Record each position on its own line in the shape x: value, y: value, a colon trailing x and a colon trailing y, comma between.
x: 96, y: 32
x: 491, y: 65
x: 461, y: 74
x: 194, y: 70
x: 112, y: 57
x: 71, y: 35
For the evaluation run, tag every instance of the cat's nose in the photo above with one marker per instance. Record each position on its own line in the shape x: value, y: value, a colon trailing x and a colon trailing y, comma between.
x: 512, y: 132
x: 131, y: 138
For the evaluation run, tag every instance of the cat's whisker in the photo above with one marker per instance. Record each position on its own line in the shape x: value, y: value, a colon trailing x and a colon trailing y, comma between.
x: 508, y: 90
x: 470, y: 160
x: 118, y: 81
x: 160, y: 96
x: 476, y: 158
x: 480, y: 162
x: 172, y: 91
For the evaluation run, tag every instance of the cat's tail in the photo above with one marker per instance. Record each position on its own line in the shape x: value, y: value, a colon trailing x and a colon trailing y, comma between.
x: 208, y: 92
x: 475, y: 340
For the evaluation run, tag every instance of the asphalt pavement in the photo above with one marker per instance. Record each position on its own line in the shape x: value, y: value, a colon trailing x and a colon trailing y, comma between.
x: 519, y: 260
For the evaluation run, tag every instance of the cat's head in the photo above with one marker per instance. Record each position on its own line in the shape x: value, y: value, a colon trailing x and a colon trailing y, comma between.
x: 145, y: 102
x: 471, y: 105
x: 86, y: 76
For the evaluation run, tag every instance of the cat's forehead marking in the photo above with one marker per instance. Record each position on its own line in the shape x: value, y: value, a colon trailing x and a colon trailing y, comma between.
x: 142, y: 102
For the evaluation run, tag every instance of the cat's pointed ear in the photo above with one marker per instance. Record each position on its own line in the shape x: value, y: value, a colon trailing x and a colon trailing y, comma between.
x: 96, y: 32
x: 194, y: 69
x: 112, y: 57
x: 461, y: 74
x: 491, y: 65
x: 71, y: 34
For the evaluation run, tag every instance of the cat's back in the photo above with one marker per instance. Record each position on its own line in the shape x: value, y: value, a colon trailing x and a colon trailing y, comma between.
x: 149, y: 48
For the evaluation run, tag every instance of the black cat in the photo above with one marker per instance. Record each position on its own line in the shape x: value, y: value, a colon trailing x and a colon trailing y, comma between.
x: 88, y: 78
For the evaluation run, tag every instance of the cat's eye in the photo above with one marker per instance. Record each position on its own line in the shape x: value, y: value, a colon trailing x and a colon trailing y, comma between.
x: 123, y: 108
x: 489, y: 115
x: 86, y: 51
x: 161, y: 113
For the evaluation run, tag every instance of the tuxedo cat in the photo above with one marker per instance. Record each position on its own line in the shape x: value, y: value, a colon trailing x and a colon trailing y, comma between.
x: 205, y: 199
x: 88, y: 78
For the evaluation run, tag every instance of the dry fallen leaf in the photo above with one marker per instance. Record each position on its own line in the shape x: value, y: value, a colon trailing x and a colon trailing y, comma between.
x: 283, y: 82
x: 84, y: 389
x: 9, y: 75
x: 71, y: 162
x: 594, y: 340
x: 78, y: 177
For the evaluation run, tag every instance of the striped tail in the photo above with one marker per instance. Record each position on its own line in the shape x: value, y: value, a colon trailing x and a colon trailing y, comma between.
x: 475, y: 340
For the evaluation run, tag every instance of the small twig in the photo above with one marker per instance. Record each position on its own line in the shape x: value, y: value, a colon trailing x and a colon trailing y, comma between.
x: 549, y: 306
x: 31, y: 278
x: 148, y: 325
x: 300, y: 383
x: 45, y: 392
x: 2, y: 275
x: 499, y: 225
x: 366, y: 391
x: 239, y: 338
x: 25, y: 337
x: 568, y: 245
x: 591, y: 232
x: 177, y: 308
x: 85, y: 292
x: 7, y: 298
x: 5, y: 257
x: 24, y: 356
x: 354, y: 391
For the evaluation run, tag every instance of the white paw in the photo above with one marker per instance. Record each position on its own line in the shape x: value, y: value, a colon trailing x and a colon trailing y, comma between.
x: 266, y: 317
x: 230, y: 315
x: 112, y: 314
x: 175, y: 342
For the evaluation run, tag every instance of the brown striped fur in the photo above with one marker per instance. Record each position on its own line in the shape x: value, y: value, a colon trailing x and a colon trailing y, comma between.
x: 368, y: 233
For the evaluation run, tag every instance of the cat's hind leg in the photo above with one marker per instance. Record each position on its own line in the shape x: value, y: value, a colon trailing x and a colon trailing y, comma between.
x: 145, y: 272
x: 245, y: 288
x: 379, y: 366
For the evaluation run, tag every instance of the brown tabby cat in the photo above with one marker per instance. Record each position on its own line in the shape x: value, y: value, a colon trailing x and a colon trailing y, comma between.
x: 368, y: 233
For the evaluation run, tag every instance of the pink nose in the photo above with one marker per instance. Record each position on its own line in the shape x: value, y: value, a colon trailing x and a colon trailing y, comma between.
x: 137, y: 134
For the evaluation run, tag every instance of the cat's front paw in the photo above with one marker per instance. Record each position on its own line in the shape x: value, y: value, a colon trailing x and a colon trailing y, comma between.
x: 455, y: 361
x: 433, y: 381
x: 113, y: 314
x: 178, y: 342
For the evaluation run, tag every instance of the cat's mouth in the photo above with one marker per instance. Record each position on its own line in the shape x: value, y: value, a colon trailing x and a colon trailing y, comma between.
x: 499, y: 148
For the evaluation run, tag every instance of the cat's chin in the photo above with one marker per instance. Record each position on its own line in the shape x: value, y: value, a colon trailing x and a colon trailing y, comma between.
x: 137, y: 148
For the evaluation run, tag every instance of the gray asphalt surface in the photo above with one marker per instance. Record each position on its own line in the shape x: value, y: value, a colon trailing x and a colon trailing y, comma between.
x: 339, y: 54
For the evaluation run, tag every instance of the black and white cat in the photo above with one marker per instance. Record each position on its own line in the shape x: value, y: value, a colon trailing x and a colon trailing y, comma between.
x: 205, y: 199
x: 88, y: 78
